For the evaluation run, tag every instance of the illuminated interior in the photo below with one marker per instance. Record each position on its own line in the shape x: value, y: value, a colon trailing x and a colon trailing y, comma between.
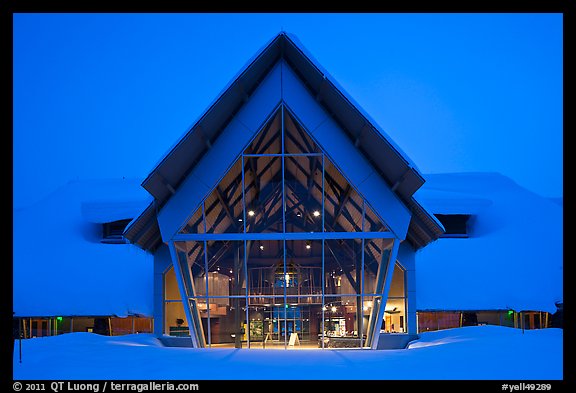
x: 321, y: 289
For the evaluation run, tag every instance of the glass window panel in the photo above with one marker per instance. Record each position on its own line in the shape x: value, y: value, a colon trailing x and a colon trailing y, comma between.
x: 171, y: 291
x: 191, y: 260
x: 342, y: 266
x: 265, y: 265
x: 303, y: 321
x: 376, y: 253
x: 367, y: 309
x: 342, y: 204
x: 373, y: 223
x: 303, y: 193
x: 263, y: 194
x: 175, y: 323
x: 266, y: 315
x: 394, y: 319
x: 226, y: 275
x: 371, y: 309
x: 269, y: 139
x: 228, y: 327
x: 195, y: 224
x: 343, y: 321
x: 223, y: 206
x: 398, y: 280
x: 304, y: 271
x: 296, y: 139
x: 199, y: 315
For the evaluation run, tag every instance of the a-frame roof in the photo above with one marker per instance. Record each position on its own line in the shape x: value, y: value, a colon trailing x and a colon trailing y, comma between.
x: 385, y: 157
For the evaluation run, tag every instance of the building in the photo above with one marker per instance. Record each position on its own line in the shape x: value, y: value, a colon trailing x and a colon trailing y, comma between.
x: 500, y: 260
x: 81, y: 275
x: 286, y: 217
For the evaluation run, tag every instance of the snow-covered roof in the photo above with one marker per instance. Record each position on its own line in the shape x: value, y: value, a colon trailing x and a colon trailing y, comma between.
x: 512, y: 258
x: 60, y: 266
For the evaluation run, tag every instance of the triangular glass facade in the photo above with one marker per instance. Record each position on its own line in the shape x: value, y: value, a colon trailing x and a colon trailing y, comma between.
x: 312, y: 258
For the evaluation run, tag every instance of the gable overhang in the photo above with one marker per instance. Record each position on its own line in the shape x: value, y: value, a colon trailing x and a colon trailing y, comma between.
x: 322, y: 106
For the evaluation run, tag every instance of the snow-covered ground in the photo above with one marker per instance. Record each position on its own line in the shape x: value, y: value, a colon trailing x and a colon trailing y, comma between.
x: 479, y: 352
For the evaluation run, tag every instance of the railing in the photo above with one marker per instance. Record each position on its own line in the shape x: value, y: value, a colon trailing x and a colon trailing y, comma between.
x: 279, y: 291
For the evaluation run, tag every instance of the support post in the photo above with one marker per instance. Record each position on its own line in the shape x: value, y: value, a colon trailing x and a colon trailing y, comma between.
x: 236, y: 302
x: 20, y: 339
x: 387, y: 280
x: 522, y: 321
x: 540, y: 319
x: 183, y: 293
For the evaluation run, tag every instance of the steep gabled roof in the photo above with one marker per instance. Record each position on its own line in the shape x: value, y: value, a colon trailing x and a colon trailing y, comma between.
x: 386, y: 158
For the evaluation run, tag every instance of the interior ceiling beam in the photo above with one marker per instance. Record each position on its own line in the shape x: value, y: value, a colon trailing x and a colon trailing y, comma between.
x: 257, y: 143
x: 192, y: 250
x: 263, y: 133
x: 220, y: 215
x: 343, y: 200
x: 273, y: 201
x: 345, y: 271
x: 288, y: 135
x: 373, y: 263
x: 236, y: 182
x: 226, y: 207
x: 256, y: 176
x: 304, y: 135
x: 313, y: 167
x: 346, y: 214
x: 332, y: 183
x: 219, y: 254
x: 252, y: 165
x: 275, y: 137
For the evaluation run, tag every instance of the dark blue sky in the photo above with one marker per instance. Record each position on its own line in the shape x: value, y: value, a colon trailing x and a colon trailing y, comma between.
x: 106, y: 95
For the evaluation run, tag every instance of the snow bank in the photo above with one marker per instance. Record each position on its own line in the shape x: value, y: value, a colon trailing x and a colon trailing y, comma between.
x: 480, y: 352
x: 60, y: 266
x: 513, y: 257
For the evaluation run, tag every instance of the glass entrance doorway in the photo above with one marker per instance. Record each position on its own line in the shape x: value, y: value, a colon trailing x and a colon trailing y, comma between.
x: 278, y: 326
